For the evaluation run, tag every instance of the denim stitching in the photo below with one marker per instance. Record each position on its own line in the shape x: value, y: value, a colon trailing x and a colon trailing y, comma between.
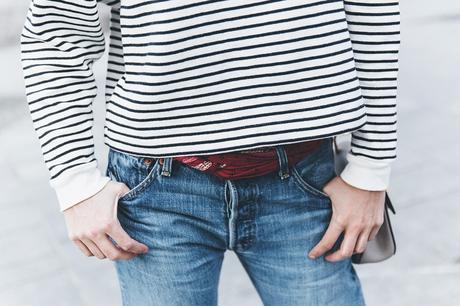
x: 306, y: 186
x: 143, y: 184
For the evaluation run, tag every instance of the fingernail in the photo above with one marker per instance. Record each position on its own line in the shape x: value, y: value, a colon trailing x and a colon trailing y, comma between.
x: 311, y: 256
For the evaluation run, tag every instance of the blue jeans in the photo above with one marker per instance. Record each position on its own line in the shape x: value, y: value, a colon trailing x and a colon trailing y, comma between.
x: 189, y: 218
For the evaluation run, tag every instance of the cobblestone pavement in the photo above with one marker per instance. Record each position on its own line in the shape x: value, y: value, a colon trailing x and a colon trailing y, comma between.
x: 39, y: 266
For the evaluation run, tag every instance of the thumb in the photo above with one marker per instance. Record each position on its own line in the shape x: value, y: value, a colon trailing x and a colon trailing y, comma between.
x: 124, y: 189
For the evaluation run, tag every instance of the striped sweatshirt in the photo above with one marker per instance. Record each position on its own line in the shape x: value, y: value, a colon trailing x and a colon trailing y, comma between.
x: 194, y: 77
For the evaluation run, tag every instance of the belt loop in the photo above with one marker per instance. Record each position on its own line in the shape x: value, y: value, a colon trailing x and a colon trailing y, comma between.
x: 167, y: 166
x: 283, y: 162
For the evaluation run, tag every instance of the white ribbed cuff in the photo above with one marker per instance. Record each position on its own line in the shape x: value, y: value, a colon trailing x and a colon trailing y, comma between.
x: 364, y: 173
x: 78, y: 184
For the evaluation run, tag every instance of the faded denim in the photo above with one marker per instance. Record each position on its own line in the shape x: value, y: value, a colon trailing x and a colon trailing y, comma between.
x: 189, y: 218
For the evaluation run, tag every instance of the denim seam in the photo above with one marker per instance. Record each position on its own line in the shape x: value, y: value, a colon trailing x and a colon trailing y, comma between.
x: 248, y: 236
x: 143, y: 184
x: 306, y: 186
x: 233, y: 215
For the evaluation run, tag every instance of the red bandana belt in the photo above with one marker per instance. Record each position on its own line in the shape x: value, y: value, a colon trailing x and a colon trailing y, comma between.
x: 248, y: 163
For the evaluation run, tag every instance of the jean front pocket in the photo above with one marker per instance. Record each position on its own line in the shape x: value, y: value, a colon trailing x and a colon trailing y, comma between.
x: 315, y: 170
x: 136, y: 172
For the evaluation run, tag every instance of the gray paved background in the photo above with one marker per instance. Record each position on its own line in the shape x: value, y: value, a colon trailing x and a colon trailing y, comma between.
x: 40, y: 267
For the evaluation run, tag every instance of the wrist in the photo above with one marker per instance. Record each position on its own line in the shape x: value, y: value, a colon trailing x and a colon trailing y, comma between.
x: 366, y: 174
x: 78, y: 185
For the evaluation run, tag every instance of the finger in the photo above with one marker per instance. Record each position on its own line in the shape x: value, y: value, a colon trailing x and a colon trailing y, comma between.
x: 83, y: 248
x: 362, y: 242
x: 346, y: 248
x: 124, y: 241
x: 93, y: 248
x: 374, y: 232
x: 327, y: 242
x: 110, y: 250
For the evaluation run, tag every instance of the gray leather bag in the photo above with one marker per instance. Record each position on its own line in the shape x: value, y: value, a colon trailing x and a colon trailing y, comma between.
x: 383, y: 246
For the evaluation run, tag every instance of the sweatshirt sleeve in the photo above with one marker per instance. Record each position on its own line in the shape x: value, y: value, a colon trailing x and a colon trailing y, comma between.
x: 60, y: 41
x: 374, y: 27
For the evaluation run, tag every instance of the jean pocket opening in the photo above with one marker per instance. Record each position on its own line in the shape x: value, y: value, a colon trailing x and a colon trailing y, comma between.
x: 306, y: 186
x: 138, y: 184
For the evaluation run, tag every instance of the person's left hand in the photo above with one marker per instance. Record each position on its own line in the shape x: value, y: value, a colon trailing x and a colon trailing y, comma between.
x: 356, y: 212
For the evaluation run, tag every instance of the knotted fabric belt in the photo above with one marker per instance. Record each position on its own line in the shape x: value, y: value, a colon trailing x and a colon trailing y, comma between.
x: 247, y: 163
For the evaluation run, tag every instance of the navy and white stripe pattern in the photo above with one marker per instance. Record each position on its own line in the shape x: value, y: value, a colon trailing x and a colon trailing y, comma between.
x: 374, y: 29
x: 202, y: 77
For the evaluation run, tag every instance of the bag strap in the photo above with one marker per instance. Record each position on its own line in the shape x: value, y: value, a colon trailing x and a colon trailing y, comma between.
x: 336, y: 146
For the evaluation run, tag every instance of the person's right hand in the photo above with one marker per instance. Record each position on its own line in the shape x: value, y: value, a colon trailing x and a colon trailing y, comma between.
x: 92, y: 221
